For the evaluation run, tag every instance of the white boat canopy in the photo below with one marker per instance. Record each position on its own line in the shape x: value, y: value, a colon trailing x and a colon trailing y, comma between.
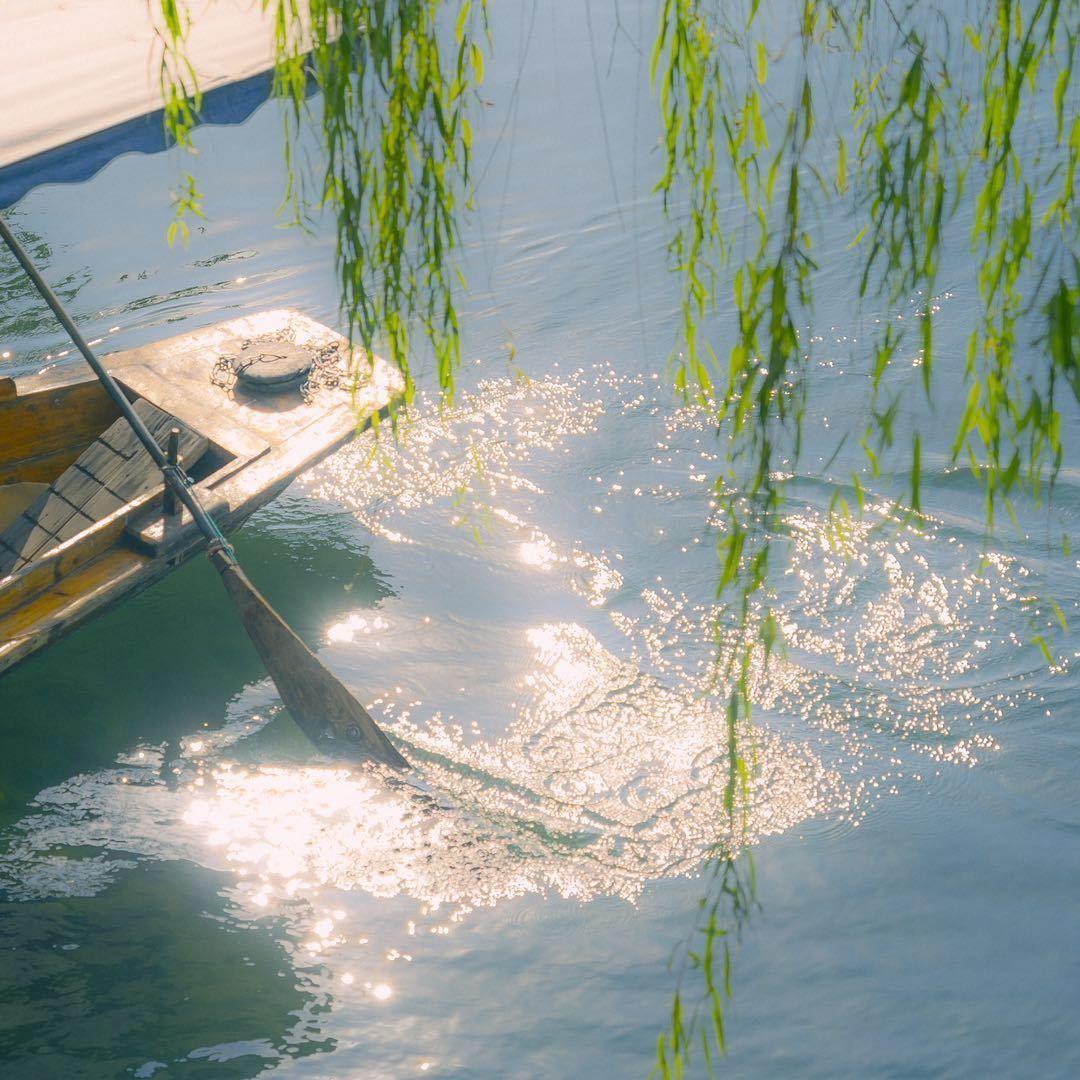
x: 80, y: 82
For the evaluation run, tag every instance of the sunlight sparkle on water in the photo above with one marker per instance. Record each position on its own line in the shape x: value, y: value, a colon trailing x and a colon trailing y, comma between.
x: 610, y: 711
x: 537, y: 553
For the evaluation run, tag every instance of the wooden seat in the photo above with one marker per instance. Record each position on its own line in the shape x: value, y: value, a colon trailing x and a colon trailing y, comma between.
x: 110, y: 473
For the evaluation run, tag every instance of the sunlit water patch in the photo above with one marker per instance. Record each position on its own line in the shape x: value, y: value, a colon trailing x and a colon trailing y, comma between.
x: 586, y: 753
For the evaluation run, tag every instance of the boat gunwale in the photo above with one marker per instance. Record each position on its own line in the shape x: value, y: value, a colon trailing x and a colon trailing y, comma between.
x: 237, y: 487
x: 13, y: 590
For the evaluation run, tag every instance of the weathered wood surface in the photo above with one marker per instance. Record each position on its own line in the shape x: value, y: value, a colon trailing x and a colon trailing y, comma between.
x: 233, y: 491
x: 51, y: 573
x: 175, y: 374
x: 156, y: 533
x: 260, y: 444
x: 47, y: 425
x: 112, y: 472
x: 201, y: 406
x: 87, y: 591
x: 15, y: 498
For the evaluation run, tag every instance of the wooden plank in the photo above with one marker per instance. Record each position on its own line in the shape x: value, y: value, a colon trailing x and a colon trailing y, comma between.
x: 196, y: 401
x: 51, y: 511
x: 177, y: 374
x: 49, y: 570
x: 89, y: 589
x: 41, y: 468
x: 160, y: 535
x: 7, y: 389
x: 51, y: 421
x: 234, y: 493
x: 112, y: 472
x: 54, y: 567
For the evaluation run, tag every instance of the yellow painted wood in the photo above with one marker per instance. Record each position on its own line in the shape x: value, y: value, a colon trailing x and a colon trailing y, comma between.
x: 51, y: 569
x: 43, y: 431
x: 81, y: 595
x: 112, y: 472
x: 78, y: 587
x: 259, y: 444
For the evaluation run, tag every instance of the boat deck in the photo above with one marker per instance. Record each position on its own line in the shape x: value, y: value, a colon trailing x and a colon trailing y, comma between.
x: 102, y: 530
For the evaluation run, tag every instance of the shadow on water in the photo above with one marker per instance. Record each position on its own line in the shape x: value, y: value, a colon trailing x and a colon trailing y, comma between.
x: 192, y: 993
x: 23, y: 314
x: 167, y: 662
x: 197, y: 990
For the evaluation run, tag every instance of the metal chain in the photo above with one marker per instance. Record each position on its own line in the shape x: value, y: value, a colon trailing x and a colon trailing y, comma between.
x: 326, y: 372
x: 223, y: 373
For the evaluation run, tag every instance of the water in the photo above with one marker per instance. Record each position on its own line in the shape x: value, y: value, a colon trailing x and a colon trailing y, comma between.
x: 523, y: 590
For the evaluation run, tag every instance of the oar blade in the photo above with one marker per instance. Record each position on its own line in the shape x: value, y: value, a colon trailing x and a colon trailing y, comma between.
x: 315, y: 698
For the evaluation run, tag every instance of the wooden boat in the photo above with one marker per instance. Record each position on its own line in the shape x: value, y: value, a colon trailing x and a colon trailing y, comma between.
x: 84, y: 519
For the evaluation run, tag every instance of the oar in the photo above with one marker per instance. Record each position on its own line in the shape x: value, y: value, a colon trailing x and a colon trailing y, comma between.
x: 315, y: 698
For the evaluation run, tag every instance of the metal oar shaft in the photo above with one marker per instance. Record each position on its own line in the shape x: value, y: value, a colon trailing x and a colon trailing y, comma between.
x: 174, y: 475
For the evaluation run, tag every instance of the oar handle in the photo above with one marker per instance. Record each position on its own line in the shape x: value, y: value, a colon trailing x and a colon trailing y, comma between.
x: 174, y: 476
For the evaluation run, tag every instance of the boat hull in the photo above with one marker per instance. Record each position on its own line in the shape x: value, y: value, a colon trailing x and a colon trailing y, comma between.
x: 260, y: 445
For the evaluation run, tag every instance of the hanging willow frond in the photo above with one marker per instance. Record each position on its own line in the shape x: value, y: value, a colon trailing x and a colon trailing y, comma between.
x: 391, y: 113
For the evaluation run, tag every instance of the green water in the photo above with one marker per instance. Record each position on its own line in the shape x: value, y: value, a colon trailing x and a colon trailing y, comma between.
x: 522, y: 592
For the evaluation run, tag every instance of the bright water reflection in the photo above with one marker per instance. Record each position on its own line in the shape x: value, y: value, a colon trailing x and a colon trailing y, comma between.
x: 523, y: 589
x: 557, y: 696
